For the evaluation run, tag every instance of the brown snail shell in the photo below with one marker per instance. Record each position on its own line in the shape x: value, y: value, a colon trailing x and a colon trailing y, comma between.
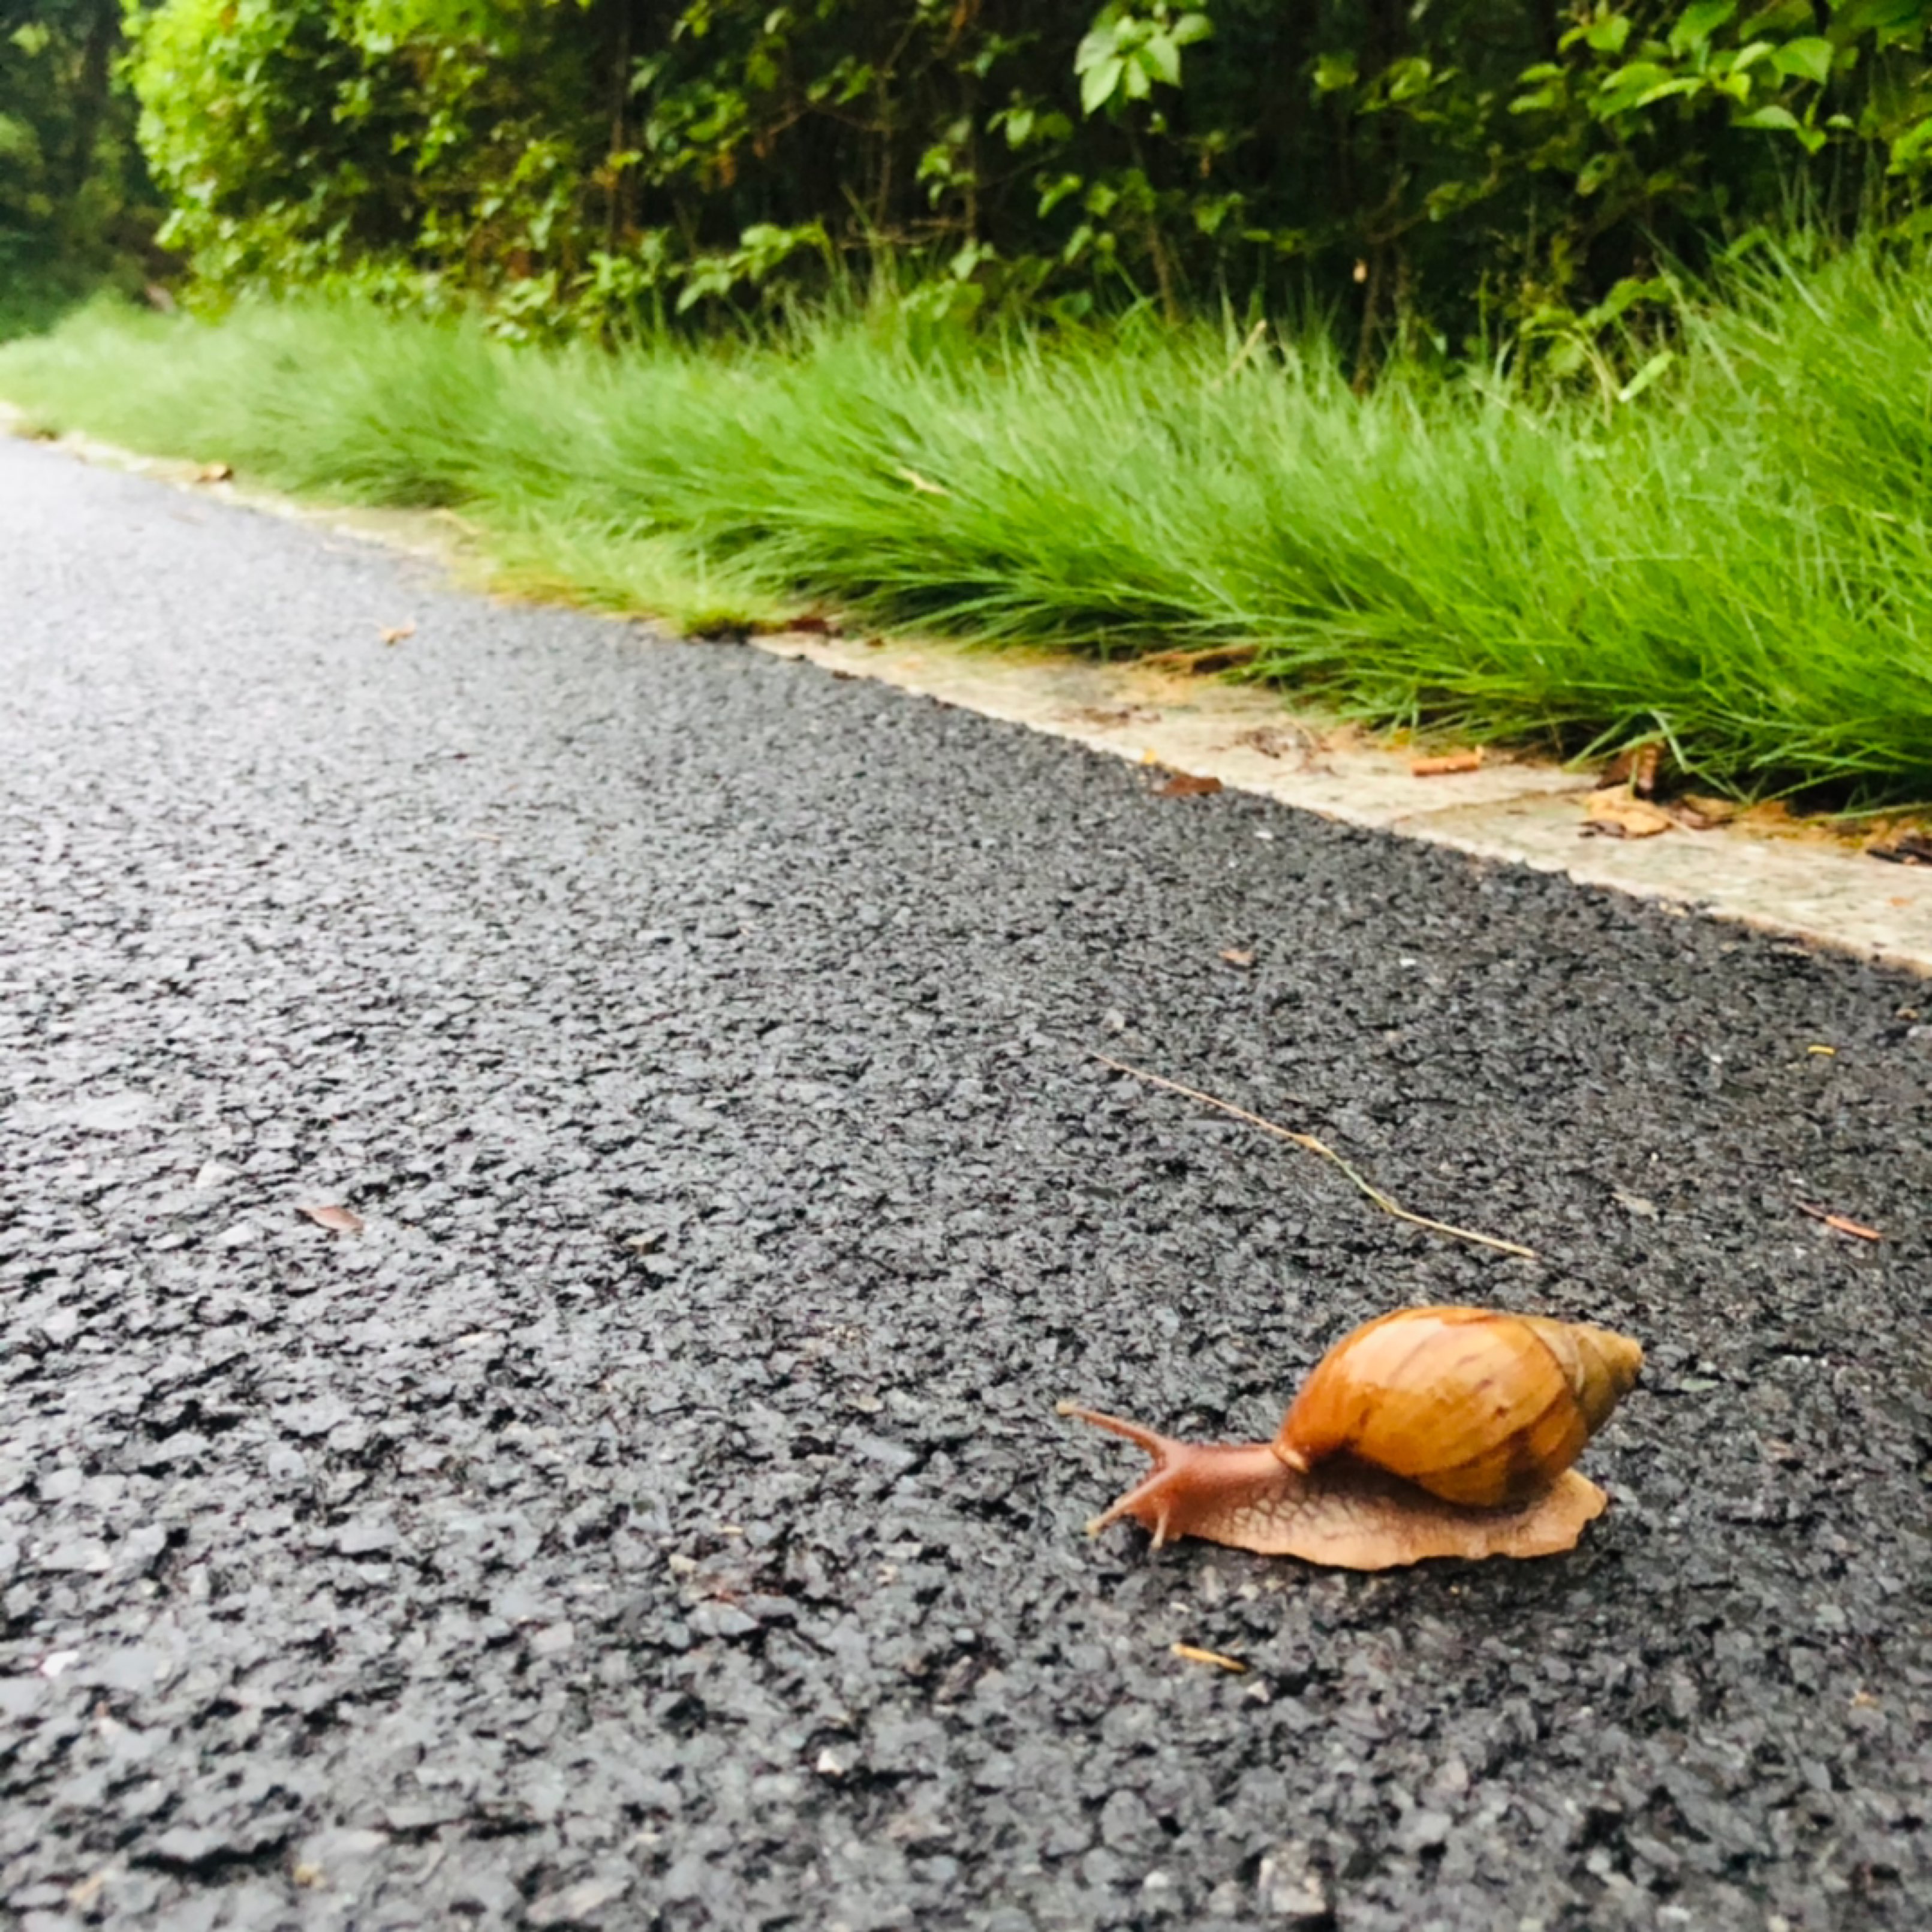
x: 1433, y: 1432
x: 1478, y: 1406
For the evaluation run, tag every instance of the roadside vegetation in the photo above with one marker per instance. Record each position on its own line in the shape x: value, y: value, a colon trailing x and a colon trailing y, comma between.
x: 1738, y: 564
x: 1545, y: 374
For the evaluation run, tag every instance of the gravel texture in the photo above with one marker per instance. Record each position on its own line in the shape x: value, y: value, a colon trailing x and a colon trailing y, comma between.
x: 656, y: 1516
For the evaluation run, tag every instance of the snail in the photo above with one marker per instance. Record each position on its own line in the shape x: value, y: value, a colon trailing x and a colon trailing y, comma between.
x: 1432, y: 1432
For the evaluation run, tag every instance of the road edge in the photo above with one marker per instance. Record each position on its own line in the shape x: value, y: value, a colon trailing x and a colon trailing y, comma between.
x: 1792, y: 879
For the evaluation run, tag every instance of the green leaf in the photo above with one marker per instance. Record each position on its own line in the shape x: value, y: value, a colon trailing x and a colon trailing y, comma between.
x: 1781, y: 17
x: 1567, y: 358
x: 1625, y: 296
x: 1771, y: 116
x: 1334, y: 72
x: 1638, y: 85
x: 1099, y: 81
x: 1908, y: 149
x: 1698, y: 22
x: 1162, y: 59
x: 1647, y: 375
x: 1539, y: 101
x: 1053, y: 193
x: 1665, y: 90
x: 1407, y: 78
x: 1809, y: 59
x: 1597, y: 170
x: 1632, y: 78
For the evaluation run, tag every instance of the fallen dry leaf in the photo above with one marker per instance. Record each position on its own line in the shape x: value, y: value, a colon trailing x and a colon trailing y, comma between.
x: 1187, y: 785
x: 1194, y: 1653
x: 1200, y: 663
x: 1636, y: 767
x: 810, y: 623
x: 1692, y: 820
x: 1614, y: 813
x: 1840, y: 1224
x: 1448, y: 763
x: 1235, y: 956
x: 396, y: 633
x: 1275, y: 741
x: 1910, y: 846
x: 214, y: 473
x: 1697, y: 813
x: 338, y: 1220
x: 1108, y: 717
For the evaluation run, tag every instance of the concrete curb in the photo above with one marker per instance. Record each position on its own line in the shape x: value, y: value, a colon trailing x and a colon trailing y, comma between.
x: 1805, y: 882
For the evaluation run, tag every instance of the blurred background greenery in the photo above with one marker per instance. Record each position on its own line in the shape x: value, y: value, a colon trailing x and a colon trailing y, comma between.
x: 1427, y: 176
x: 76, y: 207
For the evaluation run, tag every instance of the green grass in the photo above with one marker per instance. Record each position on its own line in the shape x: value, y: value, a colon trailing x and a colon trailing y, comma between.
x: 1739, y: 561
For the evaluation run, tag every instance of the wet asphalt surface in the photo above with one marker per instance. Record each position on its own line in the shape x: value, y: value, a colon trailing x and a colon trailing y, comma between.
x: 657, y: 1516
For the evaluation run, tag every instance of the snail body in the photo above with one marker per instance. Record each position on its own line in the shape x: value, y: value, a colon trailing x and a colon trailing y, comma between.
x: 1431, y: 1431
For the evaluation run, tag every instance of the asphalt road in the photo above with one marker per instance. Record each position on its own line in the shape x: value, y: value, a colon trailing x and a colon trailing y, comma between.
x: 657, y: 1517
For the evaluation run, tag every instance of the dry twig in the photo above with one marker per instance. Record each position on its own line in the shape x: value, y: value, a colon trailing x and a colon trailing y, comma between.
x: 1308, y: 1143
x: 1192, y: 1653
x: 1839, y: 1224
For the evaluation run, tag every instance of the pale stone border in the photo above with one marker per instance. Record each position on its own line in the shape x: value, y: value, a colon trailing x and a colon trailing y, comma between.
x: 1803, y: 884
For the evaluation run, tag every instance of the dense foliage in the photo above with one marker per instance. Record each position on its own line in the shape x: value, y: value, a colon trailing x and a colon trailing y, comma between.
x: 1418, y: 167
x: 72, y: 198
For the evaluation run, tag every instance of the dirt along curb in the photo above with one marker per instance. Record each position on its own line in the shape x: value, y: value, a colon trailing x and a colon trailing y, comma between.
x: 1762, y: 870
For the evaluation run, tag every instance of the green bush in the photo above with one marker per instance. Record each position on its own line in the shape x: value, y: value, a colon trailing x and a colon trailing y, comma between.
x: 1426, y: 174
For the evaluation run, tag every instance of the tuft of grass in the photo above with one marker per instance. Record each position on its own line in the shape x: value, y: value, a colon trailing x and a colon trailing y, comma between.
x: 1737, y: 563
